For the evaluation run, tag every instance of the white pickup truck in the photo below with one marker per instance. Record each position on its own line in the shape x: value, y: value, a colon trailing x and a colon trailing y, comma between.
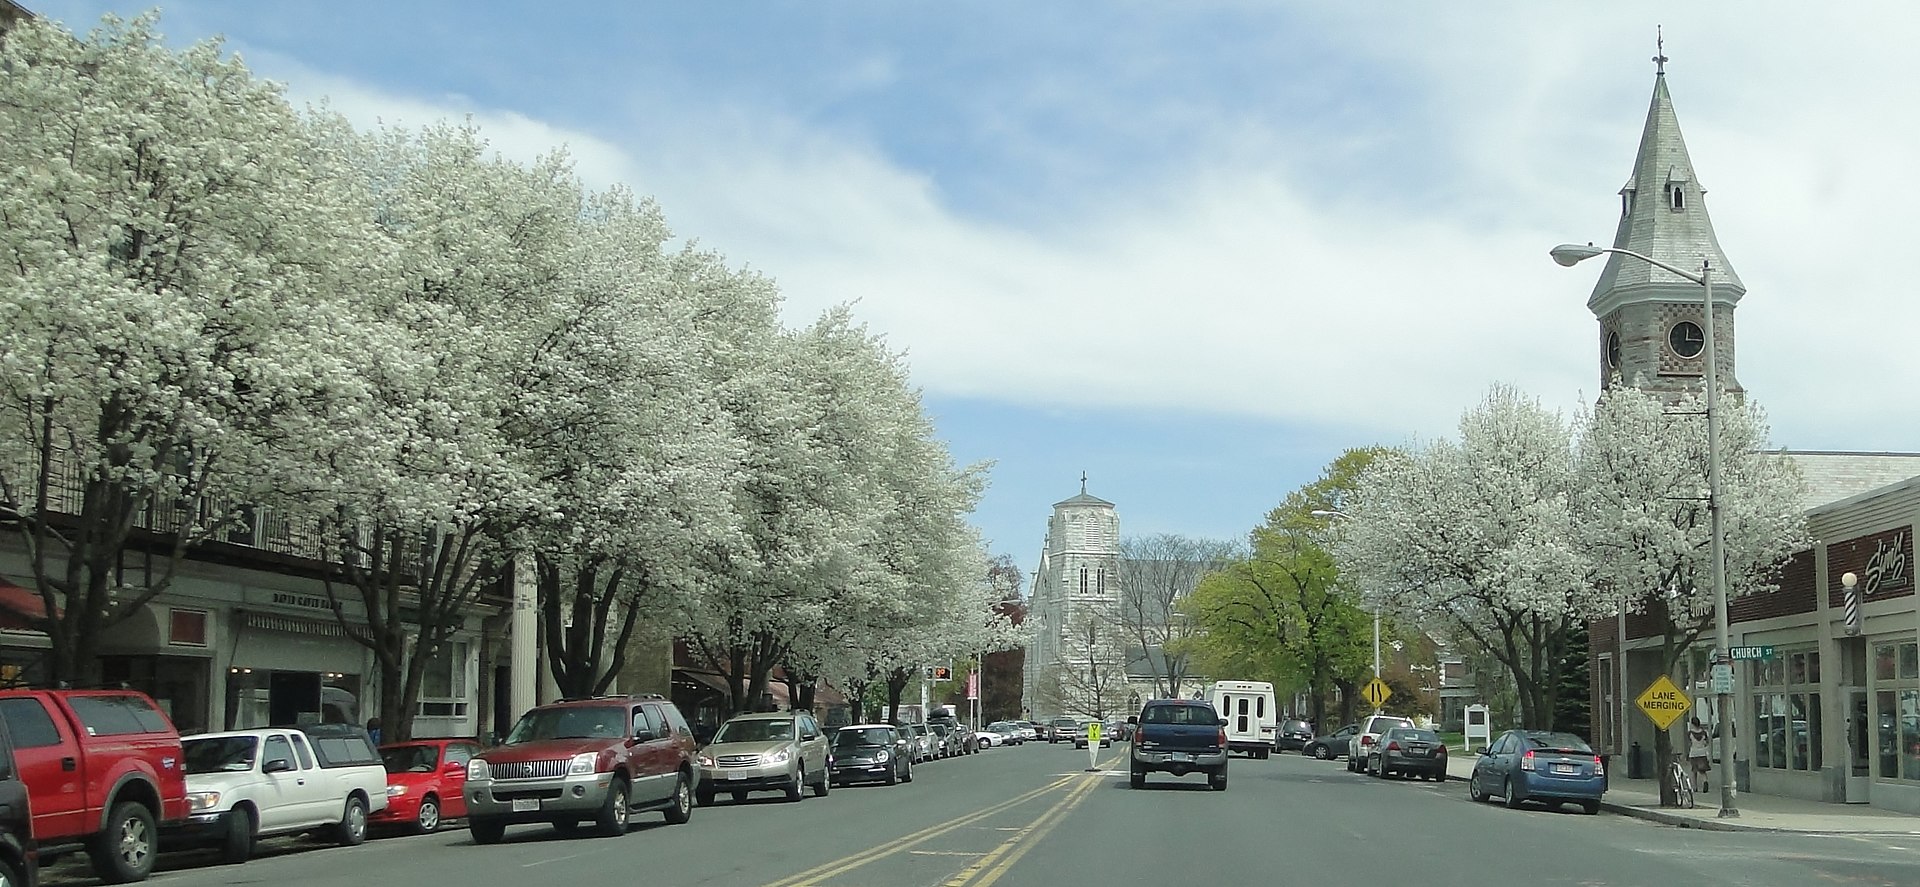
x: 244, y: 785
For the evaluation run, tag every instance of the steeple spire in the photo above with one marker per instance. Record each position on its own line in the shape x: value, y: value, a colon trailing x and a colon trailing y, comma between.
x: 1659, y: 52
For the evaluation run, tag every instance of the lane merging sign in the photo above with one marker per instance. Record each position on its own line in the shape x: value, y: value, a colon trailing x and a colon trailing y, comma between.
x: 1664, y: 702
x: 1376, y: 693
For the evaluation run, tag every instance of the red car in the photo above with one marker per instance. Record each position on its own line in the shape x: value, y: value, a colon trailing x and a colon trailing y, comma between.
x: 425, y: 782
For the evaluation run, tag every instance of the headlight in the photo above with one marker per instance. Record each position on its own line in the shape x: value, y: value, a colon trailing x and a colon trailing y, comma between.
x: 477, y: 769
x: 198, y: 802
x: 777, y: 757
x: 394, y: 791
x: 703, y: 760
x: 582, y: 763
x: 882, y: 756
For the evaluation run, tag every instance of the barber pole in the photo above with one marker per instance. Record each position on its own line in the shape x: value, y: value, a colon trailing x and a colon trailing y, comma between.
x: 1853, y: 611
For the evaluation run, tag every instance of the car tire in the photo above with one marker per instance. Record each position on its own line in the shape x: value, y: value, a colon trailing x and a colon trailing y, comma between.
x: 1590, y: 808
x: 1511, y: 794
x: 1218, y: 781
x: 893, y: 776
x: 124, y: 850
x: 1136, y: 777
x: 704, y: 797
x: 10, y: 874
x: 428, y: 820
x: 486, y: 831
x: 352, y: 830
x: 1440, y: 776
x: 908, y: 776
x: 1322, y: 753
x: 237, y: 846
x: 681, y: 809
x: 1474, y: 793
x: 796, y: 786
x: 612, y: 821
x: 821, y: 788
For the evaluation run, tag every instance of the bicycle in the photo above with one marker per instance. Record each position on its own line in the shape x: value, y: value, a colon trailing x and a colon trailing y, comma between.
x: 1682, y: 782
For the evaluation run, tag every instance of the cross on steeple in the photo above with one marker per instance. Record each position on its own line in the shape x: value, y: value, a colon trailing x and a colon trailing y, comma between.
x: 1659, y: 51
x: 1083, y: 483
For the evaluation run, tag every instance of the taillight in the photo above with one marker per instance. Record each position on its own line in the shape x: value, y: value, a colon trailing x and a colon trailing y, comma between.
x: 1366, y: 740
x: 1393, y: 746
x: 1599, y: 766
x: 1526, y: 760
x: 1443, y: 751
x: 1222, y: 740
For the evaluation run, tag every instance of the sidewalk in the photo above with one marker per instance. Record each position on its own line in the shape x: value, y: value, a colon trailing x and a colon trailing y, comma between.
x: 1640, y: 798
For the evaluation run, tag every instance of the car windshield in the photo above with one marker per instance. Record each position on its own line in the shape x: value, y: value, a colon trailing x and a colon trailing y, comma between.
x: 852, y: 737
x: 1413, y: 735
x: 223, y: 754
x: 1382, y: 725
x: 570, y: 722
x: 1180, y: 714
x: 755, y: 730
x: 409, y: 758
x: 1558, y: 742
x: 1065, y: 722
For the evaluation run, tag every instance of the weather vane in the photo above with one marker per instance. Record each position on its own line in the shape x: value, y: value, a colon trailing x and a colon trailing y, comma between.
x: 1659, y: 51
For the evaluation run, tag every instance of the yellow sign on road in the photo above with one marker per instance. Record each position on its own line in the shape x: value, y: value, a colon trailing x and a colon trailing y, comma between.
x: 1376, y: 693
x: 1093, y: 732
x: 1664, y: 702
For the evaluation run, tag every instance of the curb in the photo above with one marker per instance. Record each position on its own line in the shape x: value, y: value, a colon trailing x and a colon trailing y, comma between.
x: 1683, y: 821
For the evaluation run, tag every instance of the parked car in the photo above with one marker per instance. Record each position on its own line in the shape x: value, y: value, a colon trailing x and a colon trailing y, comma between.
x: 1011, y: 732
x: 945, y: 743
x: 1080, y: 735
x: 1409, y: 751
x: 1539, y: 765
x: 1036, y: 731
x: 19, y: 856
x: 244, y: 785
x: 1293, y: 735
x: 1362, y: 742
x: 1062, y: 729
x: 1179, y: 736
x: 600, y: 760
x: 959, y: 736
x: 103, y: 769
x: 865, y: 752
x: 767, y: 751
x: 1333, y: 745
x: 920, y: 739
x: 426, y: 782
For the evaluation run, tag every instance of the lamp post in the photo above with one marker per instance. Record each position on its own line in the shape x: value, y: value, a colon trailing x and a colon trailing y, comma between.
x: 1376, y: 610
x: 1567, y: 254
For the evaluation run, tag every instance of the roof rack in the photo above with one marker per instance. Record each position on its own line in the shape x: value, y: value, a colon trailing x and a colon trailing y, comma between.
x: 624, y: 696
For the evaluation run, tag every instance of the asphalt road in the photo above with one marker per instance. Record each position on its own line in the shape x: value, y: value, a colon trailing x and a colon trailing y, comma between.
x: 1033, y: 815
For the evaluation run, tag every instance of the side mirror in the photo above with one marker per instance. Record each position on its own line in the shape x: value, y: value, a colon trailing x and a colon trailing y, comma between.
x: 1133, y: 719
x: 1223, y: 723
x: 644, y: 736
x: 277, y: 765
x: 1486, y: 749
x: 455, y: 767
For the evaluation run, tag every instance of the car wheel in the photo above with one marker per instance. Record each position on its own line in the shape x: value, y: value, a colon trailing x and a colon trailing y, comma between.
x: 10, y: 874
x: 893, y: 776
x: 704, y: 796
x: 612, y: 821
x: 681, y: 809
x: 486, y: 831
x: 820, y: 788
x: 1218, y: 781
x: 1440, y: 776
x: 1322, y: 753
x: 1510, y: 793
x: 907, y: 776
x: 1473, y: 791
x: 1136, y: 777
x: 238, y: 845
x: 352, y: 830
x: 429, y: 819
x: 795, y: 785
x: 1590, y: 807
x: 124, y: 851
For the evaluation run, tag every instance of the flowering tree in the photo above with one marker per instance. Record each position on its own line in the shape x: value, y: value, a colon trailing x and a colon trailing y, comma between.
x: 170, y: 286
x: 1641, y: 513
x: 1480, y: 532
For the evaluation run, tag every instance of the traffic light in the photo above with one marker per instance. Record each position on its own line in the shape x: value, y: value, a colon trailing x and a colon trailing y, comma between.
x: 943, y: 672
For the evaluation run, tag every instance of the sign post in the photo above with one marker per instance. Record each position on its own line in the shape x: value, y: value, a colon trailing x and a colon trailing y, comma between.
x: 1093, y: 745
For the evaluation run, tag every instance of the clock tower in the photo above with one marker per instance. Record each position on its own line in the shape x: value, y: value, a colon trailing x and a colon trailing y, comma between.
x: 1650, y: 319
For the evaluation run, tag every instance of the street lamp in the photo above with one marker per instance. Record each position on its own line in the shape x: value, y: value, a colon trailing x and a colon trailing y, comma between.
x: 1376, y: 610
x: 1567, y: 254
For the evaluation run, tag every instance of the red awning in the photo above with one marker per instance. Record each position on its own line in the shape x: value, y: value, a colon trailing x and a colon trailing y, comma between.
x: 20, y: 608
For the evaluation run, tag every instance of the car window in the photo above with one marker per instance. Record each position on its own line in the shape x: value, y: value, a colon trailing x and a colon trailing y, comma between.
x: 29, y: 723
x: 409, y: 758
x: 300, y: 748
x: 460, y: 753
x: 1413, y: 734
x: 117, y: 715
x: 1181, y: 714
x: 339, y: 748
x: 755, y: 730
x: 220, y: 754
x: 647, y: 718
x: 857, y: 736
x: 1558, y: 742
x: 675, y: 722
x: 277, y: 749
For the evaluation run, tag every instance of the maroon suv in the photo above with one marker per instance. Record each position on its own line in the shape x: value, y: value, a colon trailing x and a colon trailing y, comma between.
x: 595, y: 760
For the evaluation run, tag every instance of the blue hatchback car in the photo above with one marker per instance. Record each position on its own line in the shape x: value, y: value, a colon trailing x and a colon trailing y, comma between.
x: 1539, y: 765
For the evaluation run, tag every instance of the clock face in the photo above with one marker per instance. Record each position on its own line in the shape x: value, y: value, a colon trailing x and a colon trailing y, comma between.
x: 1686, y: 339
x: 1613, y: 350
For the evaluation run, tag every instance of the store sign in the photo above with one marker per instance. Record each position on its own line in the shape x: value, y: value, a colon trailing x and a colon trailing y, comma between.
x: 1888, y: 566
x: 309, y: 601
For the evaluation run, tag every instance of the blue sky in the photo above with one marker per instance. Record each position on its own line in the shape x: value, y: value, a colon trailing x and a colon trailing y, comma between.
x: 1197, y: 249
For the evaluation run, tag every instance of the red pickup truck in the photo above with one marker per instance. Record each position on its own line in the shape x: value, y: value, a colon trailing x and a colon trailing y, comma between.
x: 103, y: 768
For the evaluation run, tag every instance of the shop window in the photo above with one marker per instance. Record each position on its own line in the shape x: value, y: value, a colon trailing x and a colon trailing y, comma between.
x: 186, y: 628
x: 1910, y: 734
x: 1786, y: 718
x: 1886, y: 736
x: 446, y: 672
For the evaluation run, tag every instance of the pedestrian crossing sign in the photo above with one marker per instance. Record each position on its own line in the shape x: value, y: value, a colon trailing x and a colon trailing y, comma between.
x: 1664, y: 702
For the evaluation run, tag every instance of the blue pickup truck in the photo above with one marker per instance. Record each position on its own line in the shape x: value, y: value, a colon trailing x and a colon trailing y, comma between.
x: 1179, y: 736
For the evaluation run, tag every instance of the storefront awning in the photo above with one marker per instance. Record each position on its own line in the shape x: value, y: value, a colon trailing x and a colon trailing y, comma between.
x: 20, y: 608
x: 710, y: 681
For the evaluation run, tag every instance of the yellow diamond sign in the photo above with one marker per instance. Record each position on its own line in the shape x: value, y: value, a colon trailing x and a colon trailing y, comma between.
x: 1664, y: 702
x: 1376, y: 693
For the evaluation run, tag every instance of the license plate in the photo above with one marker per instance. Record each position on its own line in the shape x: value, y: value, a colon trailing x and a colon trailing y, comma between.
x: 727, y: 776
x: 1418, y: 750
x: 526, y: 805
x: 1567, y: 769
x: 1180, y: 756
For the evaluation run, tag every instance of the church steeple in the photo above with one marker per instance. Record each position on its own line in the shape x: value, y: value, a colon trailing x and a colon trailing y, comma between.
x: 1643, y: 309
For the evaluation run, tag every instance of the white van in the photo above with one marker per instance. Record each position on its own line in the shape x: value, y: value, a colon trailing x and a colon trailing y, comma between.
x: 1251, y: 717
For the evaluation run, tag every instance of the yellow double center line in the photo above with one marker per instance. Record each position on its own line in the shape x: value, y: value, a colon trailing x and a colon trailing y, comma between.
x: 1007, y: 853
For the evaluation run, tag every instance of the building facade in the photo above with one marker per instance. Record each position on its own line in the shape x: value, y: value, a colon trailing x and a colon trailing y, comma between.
x: 1076, y: 660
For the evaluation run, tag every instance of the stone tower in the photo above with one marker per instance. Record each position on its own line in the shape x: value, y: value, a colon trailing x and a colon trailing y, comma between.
x: 1650, y: 333
x: 1078, y: 576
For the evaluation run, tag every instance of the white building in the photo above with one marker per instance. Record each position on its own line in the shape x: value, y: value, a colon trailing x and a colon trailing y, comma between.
x: 1076, y: 600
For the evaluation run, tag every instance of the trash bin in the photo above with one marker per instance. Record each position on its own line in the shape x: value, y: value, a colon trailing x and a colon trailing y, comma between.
x: 1637, y: 764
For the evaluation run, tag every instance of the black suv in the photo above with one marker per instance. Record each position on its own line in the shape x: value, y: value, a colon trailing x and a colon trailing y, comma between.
x: 19, y: 858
